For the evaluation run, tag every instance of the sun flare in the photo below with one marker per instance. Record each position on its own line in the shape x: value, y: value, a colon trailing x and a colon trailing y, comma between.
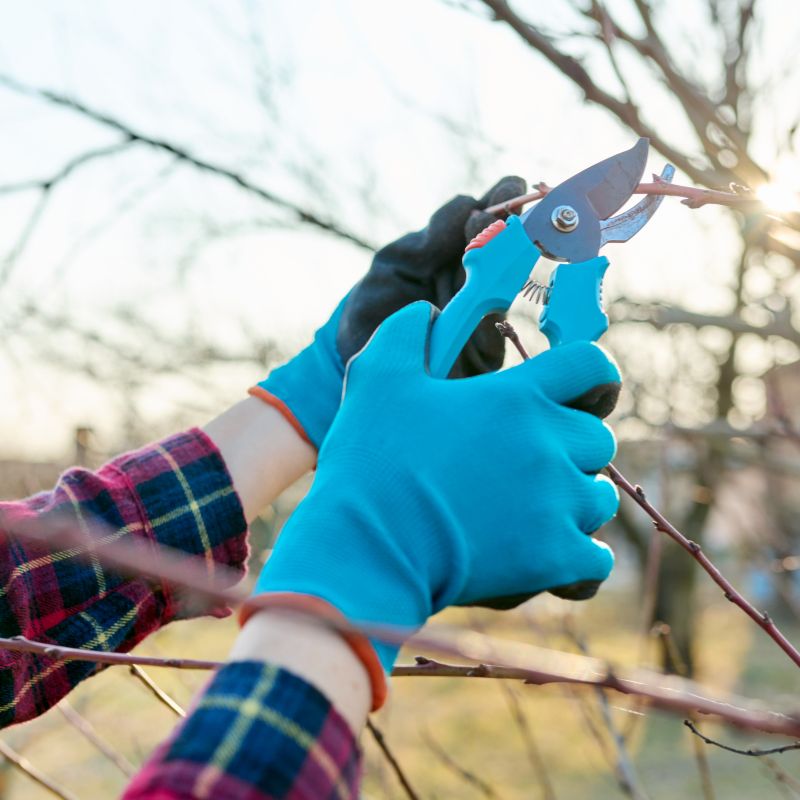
x: 780, y: 195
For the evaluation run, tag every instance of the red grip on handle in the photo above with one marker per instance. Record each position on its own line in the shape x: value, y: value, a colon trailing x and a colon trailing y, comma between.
x: 489, y: 232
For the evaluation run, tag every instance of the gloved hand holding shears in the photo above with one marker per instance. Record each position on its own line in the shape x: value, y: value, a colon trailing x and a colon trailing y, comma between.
x: 432, y: 492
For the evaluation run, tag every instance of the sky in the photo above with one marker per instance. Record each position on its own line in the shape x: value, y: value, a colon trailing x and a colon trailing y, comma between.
x: 346, y: 106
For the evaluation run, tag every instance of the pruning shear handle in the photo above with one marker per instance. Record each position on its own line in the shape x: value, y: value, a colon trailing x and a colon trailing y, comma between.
x: 497, y: 262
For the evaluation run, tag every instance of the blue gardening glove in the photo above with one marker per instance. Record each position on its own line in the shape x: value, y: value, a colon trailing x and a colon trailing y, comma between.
x: 425, y: 265
x: 432, y: 492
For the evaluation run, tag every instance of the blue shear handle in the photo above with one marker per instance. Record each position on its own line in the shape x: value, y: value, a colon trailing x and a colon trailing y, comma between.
x: 574, y: 312
x: 495, y: 274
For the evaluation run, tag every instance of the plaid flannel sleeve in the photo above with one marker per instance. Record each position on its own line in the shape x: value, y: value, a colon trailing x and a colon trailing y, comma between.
x: 176, y: 492
x: 257, y: 732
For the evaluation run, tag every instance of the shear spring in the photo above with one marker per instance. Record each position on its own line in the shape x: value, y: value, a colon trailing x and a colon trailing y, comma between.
x: 536, y: 292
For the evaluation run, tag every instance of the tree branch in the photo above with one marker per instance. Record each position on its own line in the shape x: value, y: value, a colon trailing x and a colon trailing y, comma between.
x: 19, y: 644
x: 512, y: 659
x: 667, y: 697
x: 156, y: 690
x: 303, y: 215
x: 23, y: 765
x: 87, y: 730
x: 693, y: 197
x: 577, y: 73
x: 448, y: 761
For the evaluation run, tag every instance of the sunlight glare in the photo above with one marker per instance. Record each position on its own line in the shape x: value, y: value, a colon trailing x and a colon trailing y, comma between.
x: 779, y: 196
x: 782, y: 193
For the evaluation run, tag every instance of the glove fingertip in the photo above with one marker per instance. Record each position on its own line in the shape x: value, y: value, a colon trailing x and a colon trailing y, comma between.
x: 596, y: 563
x: 569, y: 372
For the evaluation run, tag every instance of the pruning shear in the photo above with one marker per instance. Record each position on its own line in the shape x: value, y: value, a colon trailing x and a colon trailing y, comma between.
x: 570, y: 225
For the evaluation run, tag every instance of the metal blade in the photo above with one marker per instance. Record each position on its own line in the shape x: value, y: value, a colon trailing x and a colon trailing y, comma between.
x: 629, y: 223
x: 612, y: 181
x: 594, y: 194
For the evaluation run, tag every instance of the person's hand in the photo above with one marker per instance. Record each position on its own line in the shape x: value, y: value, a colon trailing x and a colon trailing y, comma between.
x: 425, y: 265
x: 435, y: 492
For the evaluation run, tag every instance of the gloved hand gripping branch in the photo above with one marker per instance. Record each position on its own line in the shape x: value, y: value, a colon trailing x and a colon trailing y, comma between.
x: 432, y: 492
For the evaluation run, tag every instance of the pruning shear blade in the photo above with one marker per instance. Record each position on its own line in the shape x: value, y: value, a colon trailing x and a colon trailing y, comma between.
x: 592, y: 196
x: 630, y: 222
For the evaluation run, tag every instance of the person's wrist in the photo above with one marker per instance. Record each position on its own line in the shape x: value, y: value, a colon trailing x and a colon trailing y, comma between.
x: 317, y: 610
x: 314, y: 652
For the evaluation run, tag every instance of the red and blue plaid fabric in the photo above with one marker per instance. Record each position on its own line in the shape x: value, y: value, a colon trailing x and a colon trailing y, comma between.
x: 257, y: 733
x: 176, y: 492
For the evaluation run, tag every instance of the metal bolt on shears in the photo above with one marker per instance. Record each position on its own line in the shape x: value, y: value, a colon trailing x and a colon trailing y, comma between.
x: 569, y: 225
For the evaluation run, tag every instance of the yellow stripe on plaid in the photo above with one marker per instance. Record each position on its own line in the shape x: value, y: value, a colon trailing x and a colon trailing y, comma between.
x: 100, y: 636
x: 63, y: 555
x: 172, y: 515
x: 98, y: 570
x: 249, y: 711
x: 194, y: 507
x: 91, y: 644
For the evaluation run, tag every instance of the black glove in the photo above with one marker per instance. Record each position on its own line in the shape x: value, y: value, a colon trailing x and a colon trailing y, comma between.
x: 426, y: 265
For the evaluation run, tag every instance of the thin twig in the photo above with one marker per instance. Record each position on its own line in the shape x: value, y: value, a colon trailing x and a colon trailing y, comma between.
x: 664, y: 632
x: 157, y: 691
x: 380, y: 740
x: 20, y: 644
x: 623, y: 768
x: 505, y: 328
x: 23, y: 765
x: 781, y: 776
x: 448, y: 761
x: 45, y: 187
x: 88, y: 731
x: 762, y: 619
x: 750, y: 751
x: 529, y: 741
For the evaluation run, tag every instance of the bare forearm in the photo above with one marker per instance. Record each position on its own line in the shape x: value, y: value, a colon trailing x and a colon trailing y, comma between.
x: 262, y: 451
